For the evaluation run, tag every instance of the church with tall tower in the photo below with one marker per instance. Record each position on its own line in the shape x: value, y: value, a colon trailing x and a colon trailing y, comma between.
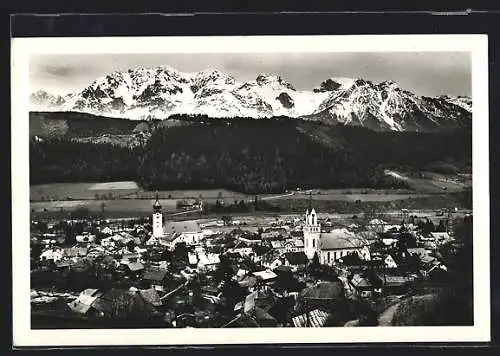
x: 333, y: 245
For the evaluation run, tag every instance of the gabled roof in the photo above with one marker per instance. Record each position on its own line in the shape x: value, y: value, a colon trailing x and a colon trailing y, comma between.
x: 324, y: 290
x: 315, y: 318
x: 359, y: 281
x: 155, y: 274
x: 85, y: 301
x: 248, y: 281
x: 427, y: 259
x: 171, y: 227
x: 75, y: 251
x: 277, y: 244
x: 283, y: 269
x: 352, y: 259
x: 440, y: 235
x: 299, y: 243
x: 338, y: 239
x: 265, y: 275
x: 135, y: 266
x: 420, y: 251
x: 105, y: 302
x: 209, y: 259
x: 395, y: 280
x: 296, y: 258
x: 151, y: 296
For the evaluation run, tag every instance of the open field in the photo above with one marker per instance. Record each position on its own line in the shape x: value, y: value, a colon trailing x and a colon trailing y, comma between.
x: 127, y: 199
x: 363, y: 195
x: 130, y: 190
x: 112, y: 208
x: 210, y: 195
x: 63, y: 191
x: 429, y: 182
x: 128, y: 208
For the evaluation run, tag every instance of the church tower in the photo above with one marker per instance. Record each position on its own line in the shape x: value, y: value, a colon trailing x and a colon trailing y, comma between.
x: 157, y: 219
x: 312, y: 233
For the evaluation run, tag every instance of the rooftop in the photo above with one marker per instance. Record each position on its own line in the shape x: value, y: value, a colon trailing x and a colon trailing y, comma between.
x: 338, y: 239
x: 314, y: 318
x: 171, y: 227
x: 296, y: 258
x: 324, y: 290
x: 155, y: 274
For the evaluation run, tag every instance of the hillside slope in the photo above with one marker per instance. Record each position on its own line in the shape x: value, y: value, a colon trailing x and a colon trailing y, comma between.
x: 243, y: 154
x: 75, y: 124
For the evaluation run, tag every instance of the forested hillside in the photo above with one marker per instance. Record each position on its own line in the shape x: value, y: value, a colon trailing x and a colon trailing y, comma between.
x: 253, y: 156
x: 75, y: 124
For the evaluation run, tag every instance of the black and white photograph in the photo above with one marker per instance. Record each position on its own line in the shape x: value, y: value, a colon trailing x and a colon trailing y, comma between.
x: 338, y: 183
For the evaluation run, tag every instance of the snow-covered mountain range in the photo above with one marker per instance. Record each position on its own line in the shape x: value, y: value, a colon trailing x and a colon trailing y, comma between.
x: 162, y: 91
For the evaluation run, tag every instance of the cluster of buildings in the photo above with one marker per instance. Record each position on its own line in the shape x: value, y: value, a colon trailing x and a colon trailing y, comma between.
x: 297, y: 272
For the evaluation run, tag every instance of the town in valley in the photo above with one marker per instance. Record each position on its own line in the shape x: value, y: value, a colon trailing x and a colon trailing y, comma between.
x: 309, y: 269
x: 187, y: 197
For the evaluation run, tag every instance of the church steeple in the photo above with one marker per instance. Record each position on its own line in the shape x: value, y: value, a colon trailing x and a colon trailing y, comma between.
x: 157, y: 219
x: 157, y: 205
x: 312, y: 233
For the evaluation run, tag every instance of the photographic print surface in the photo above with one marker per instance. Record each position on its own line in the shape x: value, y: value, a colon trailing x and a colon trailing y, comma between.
x: 179, y: 184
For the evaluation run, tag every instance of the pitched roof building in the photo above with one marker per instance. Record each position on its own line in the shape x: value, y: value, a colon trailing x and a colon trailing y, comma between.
x: 333, y: 245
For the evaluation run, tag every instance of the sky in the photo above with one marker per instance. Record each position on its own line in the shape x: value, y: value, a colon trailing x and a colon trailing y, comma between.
x: 424, y: 73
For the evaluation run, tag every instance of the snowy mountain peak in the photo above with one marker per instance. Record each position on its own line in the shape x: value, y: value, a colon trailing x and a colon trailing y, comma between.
x: 166, y: 68
x: 273, y: 80
x: 389, y: 84
x: 332, y: 84
x: 162, y: 91
x: 210, y: 72
x: 42, y: 99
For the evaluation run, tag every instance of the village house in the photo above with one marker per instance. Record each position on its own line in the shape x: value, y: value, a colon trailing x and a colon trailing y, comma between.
x: 132, y: 269
x: 85, y: 238
x: 265, y: 277
x: 208, y: 261
x: 55, y: 255
x: 108, y: 242
x: 390, y: 262
x: 269, y: 235
x: 323, y: 295
x: 192, y: 259
x: 129, y: 257
x: 155, y: 278
x: 277, y: 244
x: 315, y: 318
x: 441, y: 237
x: 395, y: 284
x: 83, y: 303
x: 295, y: 260
x: 107, y: 231
x: 270, y: 260
x: 293, y: 245
x: 75, y: 252
x: 362, y: 285
x: 151, y: 296
x: 95, y: 252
